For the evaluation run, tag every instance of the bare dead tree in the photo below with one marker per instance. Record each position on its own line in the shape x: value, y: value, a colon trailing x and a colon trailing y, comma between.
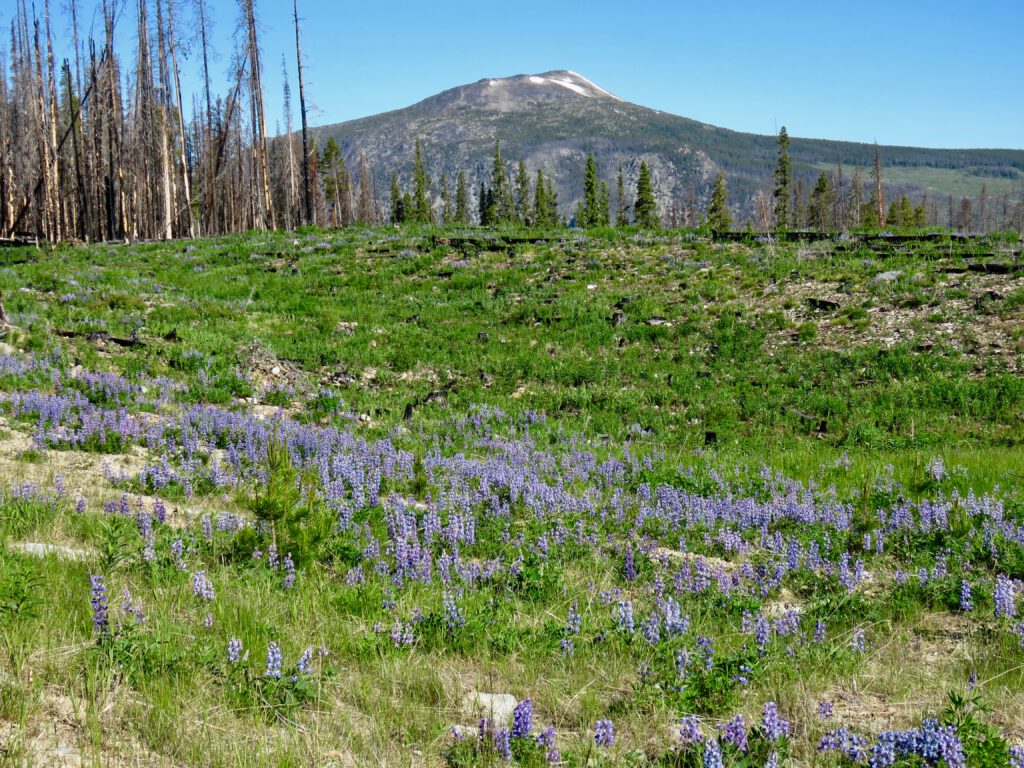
x: 306, y: 183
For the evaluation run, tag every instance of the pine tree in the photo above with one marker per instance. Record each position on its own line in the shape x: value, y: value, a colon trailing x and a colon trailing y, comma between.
x: 621, y: 216
x: 920, y: 217
x: 588, y: 213
x: 645, y: 208
x: 719, y: 217
x: 461, y: 199
x: 873, y: 212
x: 501, y: 208
x: 540, y: 202
x: 603, y: 206
x: 447, y: 208
x: 332, y: 167
x: 398, y: 211
x: 551, y: 195
x: 523, y: 212
x: 420, y: 212
x: 484, y: 206
x: 822, y: 202
x: 783, y: 182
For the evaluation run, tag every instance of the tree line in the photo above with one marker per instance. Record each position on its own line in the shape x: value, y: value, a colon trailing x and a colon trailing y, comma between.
x: 836, y: 202
x: 516, y: 197
x: 100, y: 147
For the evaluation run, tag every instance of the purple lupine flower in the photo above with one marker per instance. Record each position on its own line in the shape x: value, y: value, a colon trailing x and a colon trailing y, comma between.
x: 712, y: 754
x: 131, y: 606
x: 819, y: 633
x: 272, y: 556
x: 825, y: 710
x: 503, y: 744
x: 689, y: 730
x: 858, y: 640
x: 574, y: 623
x: 289, y: 571
x: 234, y: 650
x: 1005, y: 597
x: 80, y: 505
x: 772, y: 761
x: 734, y: 731
x: 453, y: 616
x: 604, y: 733
x: 772, y: 725
x: 100, y: 616
x: 1016, y: 757
x: 651, y: 629
x: 626, y: 617
x: 966, y: 605
x: 305, y: 661
x: 845, y: 742
x: 568, y: 646
x: 402, y: 634
x: 202, y: 587
x: 762, y: 633
x: 274, y: 660
x: 629, y: 566
x: 522, y: 719
x: 547, y: 740
x: 682, y: 662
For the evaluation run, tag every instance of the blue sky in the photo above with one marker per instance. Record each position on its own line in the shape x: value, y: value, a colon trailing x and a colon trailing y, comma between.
x: 934, y: 74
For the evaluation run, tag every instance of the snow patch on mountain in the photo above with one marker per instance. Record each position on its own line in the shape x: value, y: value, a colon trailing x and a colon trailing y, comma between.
x: 595, y: 86
x: 567, y: 82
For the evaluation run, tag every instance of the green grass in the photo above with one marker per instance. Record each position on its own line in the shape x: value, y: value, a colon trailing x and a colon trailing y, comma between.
x: 943, y: 181
x: 709, y: 361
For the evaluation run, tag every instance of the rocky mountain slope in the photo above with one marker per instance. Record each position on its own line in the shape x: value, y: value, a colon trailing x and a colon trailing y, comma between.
x: 552, y: 120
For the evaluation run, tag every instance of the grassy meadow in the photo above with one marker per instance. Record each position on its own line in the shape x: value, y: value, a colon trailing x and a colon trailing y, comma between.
x: 318, y: 498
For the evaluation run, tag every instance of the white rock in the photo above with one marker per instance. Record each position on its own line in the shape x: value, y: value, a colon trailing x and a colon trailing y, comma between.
x: 497, y: 707
x: 886, y: 277
x: 37, y: 549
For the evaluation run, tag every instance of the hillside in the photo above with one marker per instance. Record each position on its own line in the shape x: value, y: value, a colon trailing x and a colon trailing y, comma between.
x: 553, y: 119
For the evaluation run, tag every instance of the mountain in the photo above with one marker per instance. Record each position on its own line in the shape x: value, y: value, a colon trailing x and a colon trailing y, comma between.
x: 552, y: 120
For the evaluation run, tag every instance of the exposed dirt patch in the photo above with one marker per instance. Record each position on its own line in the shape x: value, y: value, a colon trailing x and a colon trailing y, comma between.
x: 58, y: 736
x: 268, y: 371
x: 85, y: 474
x: 961, y: 312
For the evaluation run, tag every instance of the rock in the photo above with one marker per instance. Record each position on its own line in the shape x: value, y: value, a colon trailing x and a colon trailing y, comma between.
x: 886, y: 277
x: 7, y: 349
x: 823, y: 305
x: 67, y: 756
x: 497, y: 707
x: 37, y: 549
x: 464, y: 731
x: 659, y: 322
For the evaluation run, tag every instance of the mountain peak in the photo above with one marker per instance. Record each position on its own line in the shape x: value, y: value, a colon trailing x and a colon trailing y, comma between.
x: 572, y: 81
x: 506, y: 94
